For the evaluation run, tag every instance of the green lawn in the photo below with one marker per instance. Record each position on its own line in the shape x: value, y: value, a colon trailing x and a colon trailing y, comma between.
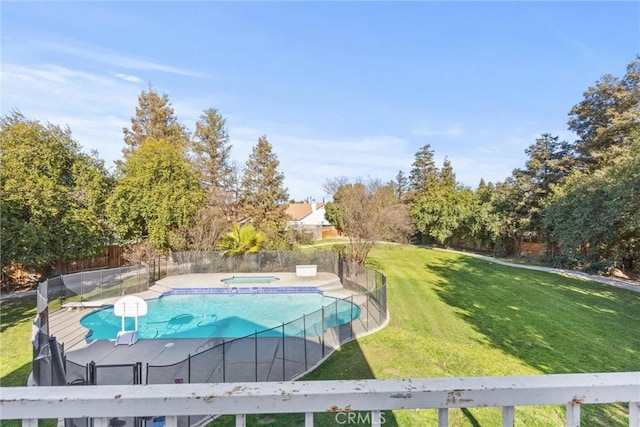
x: 454, y: 315
x: 16, y: 350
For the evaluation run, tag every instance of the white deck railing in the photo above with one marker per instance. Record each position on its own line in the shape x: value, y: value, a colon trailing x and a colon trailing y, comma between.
x: 172, y: 400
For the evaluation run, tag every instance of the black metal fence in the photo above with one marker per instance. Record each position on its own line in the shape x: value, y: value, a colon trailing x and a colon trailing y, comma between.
x: 276, y: 354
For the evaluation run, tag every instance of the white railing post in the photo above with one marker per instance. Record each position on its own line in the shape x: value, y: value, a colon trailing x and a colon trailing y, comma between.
x: 573, y: 415
x: 634, y: 414
x: 308, y: 419
x: 241, y: 420
x: 170, y: 421
x: 376, y: 419
x: 30, y: 422
x: 508, y: 416
x: 100, y: 422
x: 443, y: 417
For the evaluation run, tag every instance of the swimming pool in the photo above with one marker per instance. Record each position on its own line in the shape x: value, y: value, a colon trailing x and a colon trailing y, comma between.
x: 228, y: 315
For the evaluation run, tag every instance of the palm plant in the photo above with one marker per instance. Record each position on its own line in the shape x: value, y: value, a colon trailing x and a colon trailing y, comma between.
x: 241, y: 240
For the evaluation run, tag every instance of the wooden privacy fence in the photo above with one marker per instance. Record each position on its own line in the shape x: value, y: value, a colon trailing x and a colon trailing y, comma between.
x: 110, y: 258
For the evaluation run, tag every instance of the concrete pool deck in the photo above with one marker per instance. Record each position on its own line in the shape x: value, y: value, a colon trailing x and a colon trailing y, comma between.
x: 65, y: 324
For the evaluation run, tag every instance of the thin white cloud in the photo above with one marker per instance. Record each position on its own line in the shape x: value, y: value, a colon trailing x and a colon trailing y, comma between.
x: 95, y: 107
x: 127, y: 77
x: 112, y: 58
x: 50, y: 74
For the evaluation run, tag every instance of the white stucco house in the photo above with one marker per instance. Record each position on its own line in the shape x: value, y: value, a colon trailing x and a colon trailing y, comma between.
x: 310, y: 218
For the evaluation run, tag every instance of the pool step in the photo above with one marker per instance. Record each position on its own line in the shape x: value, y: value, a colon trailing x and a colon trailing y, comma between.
x: 331, y: 286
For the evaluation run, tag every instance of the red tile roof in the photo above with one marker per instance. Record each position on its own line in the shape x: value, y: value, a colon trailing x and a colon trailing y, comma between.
x: 299, y: 211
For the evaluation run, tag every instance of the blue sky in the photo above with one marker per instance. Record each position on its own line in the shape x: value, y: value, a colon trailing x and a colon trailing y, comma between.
x: 340, y: 88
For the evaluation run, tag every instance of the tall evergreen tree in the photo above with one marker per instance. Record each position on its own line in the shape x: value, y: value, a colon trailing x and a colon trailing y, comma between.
x: 447, y: 175
x: 263, y: 197
x: 154, y: 118
x: 211, y: 148
x: 607, y: 117
x: 485, y: 192
x: 424, y: 173
x: 211, y: 151
x: 401, y: 186
x: 550, y: 162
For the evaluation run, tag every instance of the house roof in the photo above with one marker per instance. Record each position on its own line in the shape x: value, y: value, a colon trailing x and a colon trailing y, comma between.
x: 299, y: 211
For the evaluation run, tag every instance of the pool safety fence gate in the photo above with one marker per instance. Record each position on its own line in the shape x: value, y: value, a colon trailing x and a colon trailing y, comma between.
x: 277, y: 354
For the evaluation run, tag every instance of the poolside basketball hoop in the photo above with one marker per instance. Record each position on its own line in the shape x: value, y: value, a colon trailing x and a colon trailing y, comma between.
x: 129, y: 307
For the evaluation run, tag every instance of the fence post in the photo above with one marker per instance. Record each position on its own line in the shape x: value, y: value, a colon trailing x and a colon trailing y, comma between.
x: 322, y: 331
x: 60, y: 292
x: 351, y: 319
x: 380, y: 292
x: 189, y: 369
x: 304, y: 339
x: 283, y: 359
x: 255, y: 352
x: 224, y: 350
x: 368, y: 294
x: 92, y: 373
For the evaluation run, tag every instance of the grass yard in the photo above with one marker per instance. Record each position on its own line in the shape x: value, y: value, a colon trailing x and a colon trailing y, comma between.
x: 16, y: 316
x: 16, y: 350
x: 454, y: 315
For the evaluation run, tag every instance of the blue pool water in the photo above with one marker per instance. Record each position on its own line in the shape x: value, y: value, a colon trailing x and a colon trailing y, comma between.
x: 228, y: 315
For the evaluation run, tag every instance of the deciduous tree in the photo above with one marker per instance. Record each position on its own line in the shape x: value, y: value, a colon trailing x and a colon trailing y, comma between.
x: 439, y: 210
x: 367, y: 212
x: 596, y: 216
x: 53, y: 195
x: 207, y: 228
x: 157, y: 196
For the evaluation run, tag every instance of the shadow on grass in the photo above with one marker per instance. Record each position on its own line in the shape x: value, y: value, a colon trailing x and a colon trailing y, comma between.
x: 15, y: 310
x: 553, y: 323
x: 349, y: 363
x: 16, y: 378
